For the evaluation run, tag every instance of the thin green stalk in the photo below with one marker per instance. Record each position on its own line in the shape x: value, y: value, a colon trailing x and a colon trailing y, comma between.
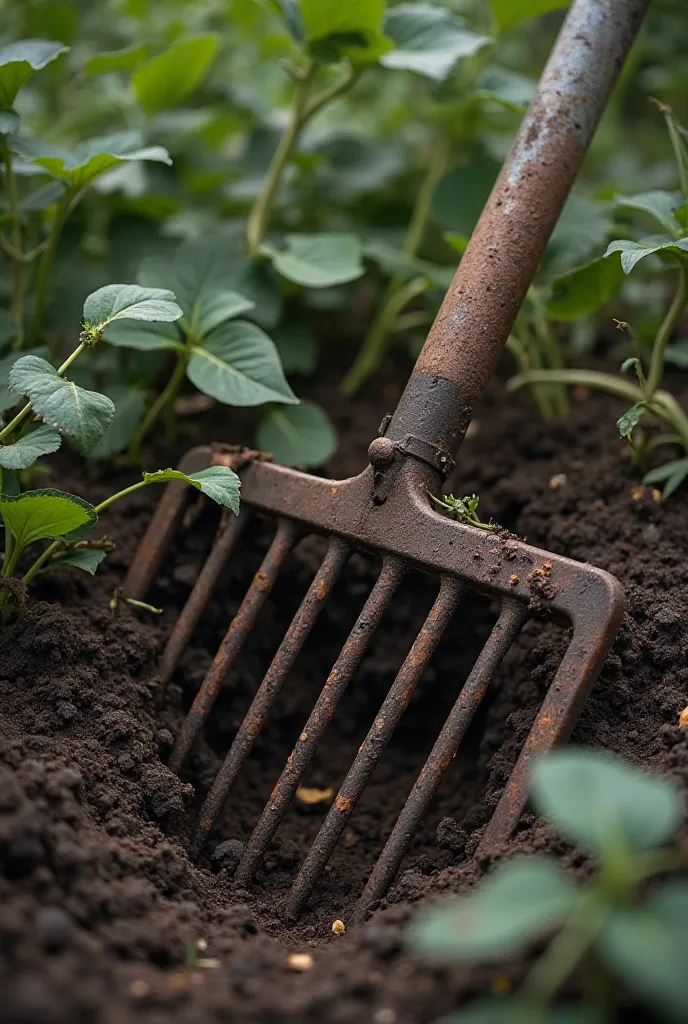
x: 551, y: 351
x: 21, y: 416
x: 17, y: 307
x: 654, y: 377
x: 163, y: 400
x: 583, y: 378
x: 45, y: 265
x: 517, y: 349
x: 373, y: 349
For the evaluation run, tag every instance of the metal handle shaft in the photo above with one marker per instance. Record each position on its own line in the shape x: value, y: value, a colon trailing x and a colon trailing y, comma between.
x: 479, y: 310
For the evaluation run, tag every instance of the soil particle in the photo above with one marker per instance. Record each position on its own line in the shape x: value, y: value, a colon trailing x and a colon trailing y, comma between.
x: 102, y: 905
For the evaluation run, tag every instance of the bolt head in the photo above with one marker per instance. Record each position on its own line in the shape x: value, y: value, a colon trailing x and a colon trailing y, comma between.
x: 381, y: 452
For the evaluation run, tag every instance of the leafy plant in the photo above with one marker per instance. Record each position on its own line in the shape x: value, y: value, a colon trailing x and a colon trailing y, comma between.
x: 583, y: 289
x: 609, y: 928
x: 464, y: 510
x: 62, y: 408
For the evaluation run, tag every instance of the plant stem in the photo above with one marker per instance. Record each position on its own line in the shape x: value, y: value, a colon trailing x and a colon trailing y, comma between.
x: 523, y: 359
x: 373, y: 349
x: 21, y: 416
x: 654, y: 377
x: 17, y: 308
x: 370, y: 354
x: 584, y: 378
x: 163, y: 400
x: 46, y: 264
x: 551, y: 351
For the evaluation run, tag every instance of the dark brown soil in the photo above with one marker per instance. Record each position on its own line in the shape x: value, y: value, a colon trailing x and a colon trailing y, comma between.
x: 101, y: 909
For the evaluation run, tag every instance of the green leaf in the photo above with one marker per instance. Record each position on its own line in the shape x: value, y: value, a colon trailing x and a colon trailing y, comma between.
x: 89, y: 159
x: 463, y: 191
x: 9, y: 484
x: 318, y: 261
x: 297, y: 435
x: 600, y: 801
x: 169, y: 79
x: 297, y: 349
x: 395, y: 262
x: 629, y: 421
x: 509, y: 13
x: 672, y: 474
x: 19, y: 60
x: 130, y: 302
x: 46, y: 515
x: 116, y: 60
x: 198, y: 277
x: 86, y: 559
x: 238, y: 364
x: 506, y: 1011
x: 647, y: 947
x: 8, y: 399
x: 633, y: 252
x: 130, y: 405
x: 25, y: 450
x: 81, y: 415
x: 660, y: 205
x: 506, y: 87
x: 9, y: 122
x: 353, y: 29
x: 676, y: 354
x: 520, y: 901
x: 428, y: 40
x: 289, y: 11
x: 41, y: 198
x: 582, y: 291
x: 145, y: 339
x: 218, y: 482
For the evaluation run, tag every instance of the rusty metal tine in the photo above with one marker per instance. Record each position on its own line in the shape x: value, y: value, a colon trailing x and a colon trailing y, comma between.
x: 261, y: 585
x: 386, y: 585
x: 225, y: 542
x: 505, y: 631
x: 370, y: 751
x: 294, y: 639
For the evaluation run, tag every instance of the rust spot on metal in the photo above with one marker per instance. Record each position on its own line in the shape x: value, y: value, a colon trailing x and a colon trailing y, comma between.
x: 343, y: 804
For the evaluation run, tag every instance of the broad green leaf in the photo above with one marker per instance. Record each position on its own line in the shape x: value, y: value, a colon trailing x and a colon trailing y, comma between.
x: 130, y: 405
x: 238, y: 364
x: 9, y: 483
x: 116, y: 60
x: 86, y: 559
x: 509, y: 13
x: 297, y: 348
x: 9, y: 121
x: 582, y: 291
x: 130, y: 302
x: 297, y: 435
x: 353, y: 29
x: 89, y: 159
x: 504, y: 1011
x: 169, y: 79
x: 218, y: 482
x: 462, y: 192
x: 395, y: 262
x: 8, y: 399
x: 583, y: 227
x: 521, y: 900
x: 627, y: 423
x: 660, y: 205
x: 46, y: 515
x: 602, y: 802
x: 198, y: 276
x: 319, y: 261
x: 677, y: 353
x: 41, y: 198
x: 633, y: 252
x: 647, y: 947
x: 671, y: 474
x: 25, y: 450
x: 427, y: 40
x: 289, y: 11
x: 82, y: 415
x: 506, y: 87
x: 144, y: 338
x: 19, y: 60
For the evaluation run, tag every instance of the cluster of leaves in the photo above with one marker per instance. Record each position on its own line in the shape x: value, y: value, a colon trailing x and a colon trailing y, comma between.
x: 464, y: 510
x: 610, y: 927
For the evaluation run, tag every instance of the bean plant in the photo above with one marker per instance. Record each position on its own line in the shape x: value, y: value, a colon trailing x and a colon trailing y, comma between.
x: 624, y: 927
x: 588, y: 286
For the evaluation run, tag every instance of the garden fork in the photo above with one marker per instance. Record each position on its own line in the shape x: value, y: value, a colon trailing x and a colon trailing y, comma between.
x: 385, y: 509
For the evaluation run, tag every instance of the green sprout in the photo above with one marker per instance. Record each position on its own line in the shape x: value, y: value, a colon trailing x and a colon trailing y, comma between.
x: 465, y: 510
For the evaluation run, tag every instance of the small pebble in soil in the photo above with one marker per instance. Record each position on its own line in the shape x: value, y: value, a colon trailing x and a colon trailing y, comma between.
x: 300, y: 961
x: 558, y: 480
x: 450, y: 837
x: 228, y: 854
x: 139, y: 989
x: 338, y: 927
x: 55, y: 928
x: 683, y: 719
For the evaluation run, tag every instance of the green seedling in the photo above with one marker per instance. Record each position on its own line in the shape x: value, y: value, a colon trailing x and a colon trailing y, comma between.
x: 464, y: 510
x: 118, y: 596
x: 622, y: 928
x: 57, y: 408
x: 596, y: 282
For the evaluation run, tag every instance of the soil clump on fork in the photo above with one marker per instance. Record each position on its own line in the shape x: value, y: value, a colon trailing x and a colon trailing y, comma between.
x: 104, y: 918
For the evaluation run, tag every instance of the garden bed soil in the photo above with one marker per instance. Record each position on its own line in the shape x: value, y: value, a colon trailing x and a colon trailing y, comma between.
x: 101, y: 907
